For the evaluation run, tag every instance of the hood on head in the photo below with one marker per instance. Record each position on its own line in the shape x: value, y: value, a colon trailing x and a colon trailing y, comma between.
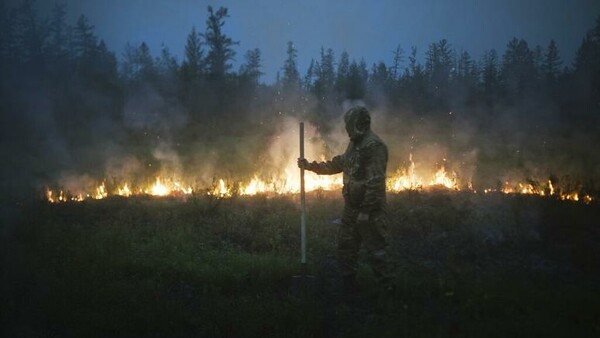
x: 358, y: 122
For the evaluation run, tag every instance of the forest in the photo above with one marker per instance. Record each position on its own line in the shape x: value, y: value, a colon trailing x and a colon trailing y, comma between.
x: 503, y: 263
x: 70, y: 106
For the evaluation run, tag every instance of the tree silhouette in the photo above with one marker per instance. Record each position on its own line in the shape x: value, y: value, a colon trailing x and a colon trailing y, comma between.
x: 380, y: 77
x: 144, y: 59
x: 309, y: 77
x: 27, y: 36
x: 85, y: 45
x: 552, y: 62
x: 166, y: 64
x: 57, y: 46
x: 518, y: 69
x: 398, y: 59
x: 291, y: 77
x: 220, y: 51
x: 490, y: 74
x: 325, y: 74
x: 438, y: 65
x: 250, y: 70
x: 587, y: 76
x: 343, y: 72
x: 194, y: 64
x: 356, y: 86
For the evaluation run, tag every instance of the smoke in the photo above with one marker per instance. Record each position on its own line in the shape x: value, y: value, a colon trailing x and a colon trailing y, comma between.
x: 268, y: 148
x: 284, y: 149
x: 429, y: 143
x: 146, y: 109
x: 78, y: 184
x: 168, y: 158
x: 125, y: 168
x: 149, y: 134
x: 153, y: 120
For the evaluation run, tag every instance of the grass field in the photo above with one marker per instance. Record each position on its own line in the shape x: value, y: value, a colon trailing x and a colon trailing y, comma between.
x: 466, y: 265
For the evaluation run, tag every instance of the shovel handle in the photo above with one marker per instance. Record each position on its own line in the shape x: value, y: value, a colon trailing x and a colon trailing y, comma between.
x: 302, y: 204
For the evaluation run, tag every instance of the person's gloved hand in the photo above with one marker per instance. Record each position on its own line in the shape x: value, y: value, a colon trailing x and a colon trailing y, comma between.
x: 303, y: 163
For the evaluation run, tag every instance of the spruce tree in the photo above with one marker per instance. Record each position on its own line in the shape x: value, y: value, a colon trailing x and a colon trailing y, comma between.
x: 194, y: 63
x: 552, y: 62
x: 291, y: 77
x: 220, y: 51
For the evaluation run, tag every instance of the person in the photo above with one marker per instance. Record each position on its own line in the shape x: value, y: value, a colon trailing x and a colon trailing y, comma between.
x: 364, y: 166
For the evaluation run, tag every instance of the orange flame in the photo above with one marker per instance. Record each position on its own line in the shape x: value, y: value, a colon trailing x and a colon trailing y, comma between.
x: 288, y: 182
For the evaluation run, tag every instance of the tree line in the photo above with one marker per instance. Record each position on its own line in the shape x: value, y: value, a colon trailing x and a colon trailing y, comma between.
x: 88, y: 89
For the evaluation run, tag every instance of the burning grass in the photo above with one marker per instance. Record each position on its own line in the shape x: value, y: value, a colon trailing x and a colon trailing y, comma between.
x: 467, y: 265
x: 287, y: 182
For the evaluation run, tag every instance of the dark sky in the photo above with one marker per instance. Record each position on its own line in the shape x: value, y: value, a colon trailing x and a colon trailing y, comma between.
x: 369, y: 29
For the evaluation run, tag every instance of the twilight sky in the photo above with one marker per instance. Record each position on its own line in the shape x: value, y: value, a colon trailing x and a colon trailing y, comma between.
x: 367, y: 29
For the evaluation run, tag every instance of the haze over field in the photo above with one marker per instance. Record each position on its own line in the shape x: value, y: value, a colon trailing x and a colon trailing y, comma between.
x: 92, y: 98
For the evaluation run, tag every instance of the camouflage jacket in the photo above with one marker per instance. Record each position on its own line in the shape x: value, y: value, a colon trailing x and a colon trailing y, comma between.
x: 364, y: 166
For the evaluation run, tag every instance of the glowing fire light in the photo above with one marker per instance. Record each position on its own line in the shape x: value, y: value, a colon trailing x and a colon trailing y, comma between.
x: 441, y: 178
x: 288, y: 182
x: 124, y: 191
x: 221, y: 190
x: 407, y: 179
x: 571, y: 197
x: 100, y: 192
x: 255, y: 186
x: 159, y: 189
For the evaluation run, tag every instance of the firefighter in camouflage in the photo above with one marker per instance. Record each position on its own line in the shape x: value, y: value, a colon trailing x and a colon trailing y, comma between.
x: 363, y: 222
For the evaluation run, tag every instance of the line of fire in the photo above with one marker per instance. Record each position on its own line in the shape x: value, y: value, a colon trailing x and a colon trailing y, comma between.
x: 411, y: 178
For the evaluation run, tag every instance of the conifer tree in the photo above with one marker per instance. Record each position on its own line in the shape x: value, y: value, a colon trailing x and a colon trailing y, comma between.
x: 220, y: 51
x: 291, y: 77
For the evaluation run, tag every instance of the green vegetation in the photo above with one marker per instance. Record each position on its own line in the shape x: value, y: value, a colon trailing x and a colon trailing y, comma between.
x: 467, y: 265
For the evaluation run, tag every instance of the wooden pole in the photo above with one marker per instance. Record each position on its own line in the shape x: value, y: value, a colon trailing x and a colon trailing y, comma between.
x: 302, y: 206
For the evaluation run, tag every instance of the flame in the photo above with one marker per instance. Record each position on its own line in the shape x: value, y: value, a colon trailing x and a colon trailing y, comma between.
x: 221, y: 190
x: 100, y: 192
x: 407, y: 179
x: 166, y: 187
x: 124, y: 191
x: 442, y: 178
x: 528, y: 189
x: 287, y: 181
x: 255, y: 186
x: 571, y: 197
x: 62, y: 197
x: 158, y: 189
x: 287, y: 184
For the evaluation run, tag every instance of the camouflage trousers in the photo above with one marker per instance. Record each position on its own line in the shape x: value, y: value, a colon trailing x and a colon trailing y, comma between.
x: 352, y: 234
